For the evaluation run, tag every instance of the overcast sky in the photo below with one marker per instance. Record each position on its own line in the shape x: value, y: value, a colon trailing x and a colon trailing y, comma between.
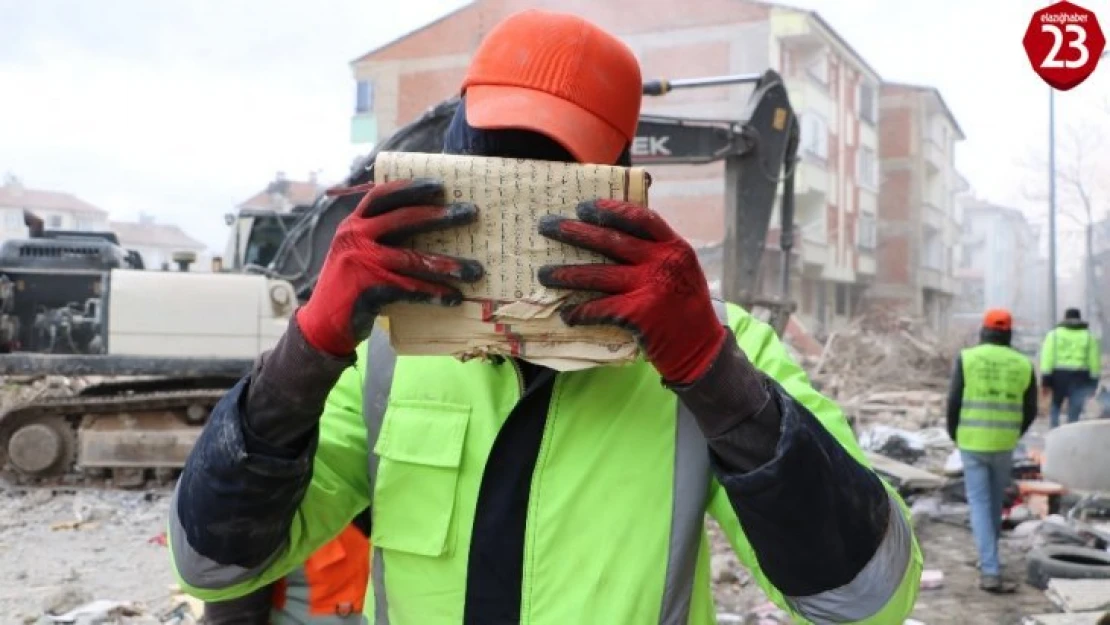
x: 184, y: 109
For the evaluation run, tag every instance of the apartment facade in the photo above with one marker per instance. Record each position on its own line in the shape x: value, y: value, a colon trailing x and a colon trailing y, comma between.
x: 833, y: 90
x: 58, y: 211
x: 999, y: 265
x: 919, y: 232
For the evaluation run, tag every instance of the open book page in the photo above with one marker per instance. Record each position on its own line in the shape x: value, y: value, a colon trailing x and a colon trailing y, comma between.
x: 508, y: 312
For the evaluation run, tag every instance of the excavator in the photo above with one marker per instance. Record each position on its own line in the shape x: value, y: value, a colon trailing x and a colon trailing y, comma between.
x: 136, y: 427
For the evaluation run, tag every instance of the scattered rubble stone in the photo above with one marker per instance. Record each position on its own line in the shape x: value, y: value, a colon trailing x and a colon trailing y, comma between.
x: 65, y: 599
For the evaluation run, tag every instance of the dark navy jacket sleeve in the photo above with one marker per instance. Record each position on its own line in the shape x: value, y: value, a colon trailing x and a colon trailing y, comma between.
x: 252, y: 464
x: 815, y: 517
x: 955, y: 398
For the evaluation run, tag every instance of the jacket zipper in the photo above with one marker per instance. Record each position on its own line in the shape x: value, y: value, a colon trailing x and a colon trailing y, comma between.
x: 519, y: 378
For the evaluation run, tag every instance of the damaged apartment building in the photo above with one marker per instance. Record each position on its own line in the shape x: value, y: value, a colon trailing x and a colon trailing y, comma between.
x: 833, y: 89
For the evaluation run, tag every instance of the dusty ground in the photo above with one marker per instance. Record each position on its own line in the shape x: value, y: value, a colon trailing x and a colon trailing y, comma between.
x: 45, y: 560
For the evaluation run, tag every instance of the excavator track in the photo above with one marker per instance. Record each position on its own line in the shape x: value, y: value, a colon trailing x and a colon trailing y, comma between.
x: 116, y: 436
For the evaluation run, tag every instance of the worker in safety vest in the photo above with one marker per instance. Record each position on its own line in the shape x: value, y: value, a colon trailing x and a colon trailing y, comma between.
x: 328, y: 589
x: 1071, y: 363
x: 992, y: 401
x: 503, y: 491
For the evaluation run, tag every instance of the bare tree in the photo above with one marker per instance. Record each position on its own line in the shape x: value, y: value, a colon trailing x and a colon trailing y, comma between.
x: 1082, y: 197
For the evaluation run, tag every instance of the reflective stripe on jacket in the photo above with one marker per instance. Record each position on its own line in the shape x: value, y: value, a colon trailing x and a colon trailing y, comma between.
x: 995, y: 381
x: 330, y: 587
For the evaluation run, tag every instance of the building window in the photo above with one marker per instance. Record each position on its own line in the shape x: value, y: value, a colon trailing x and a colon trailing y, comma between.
x: 87, y: 225
x: 867, y: 168
x: 54, y: 221
x: 13, y: 219
x: 815, y: 135
x: 818, y: 69
x: 867, y: 236
x: 364, y: 96
x: 841, y: 296
x: 867, y: 97
x: 933, y: 258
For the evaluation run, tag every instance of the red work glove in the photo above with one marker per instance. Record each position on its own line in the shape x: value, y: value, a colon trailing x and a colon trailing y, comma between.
x: 657, y: 291
x: 363, y: 272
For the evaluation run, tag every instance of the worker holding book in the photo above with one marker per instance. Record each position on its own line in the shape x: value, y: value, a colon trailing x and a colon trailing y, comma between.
x: 503, y: 491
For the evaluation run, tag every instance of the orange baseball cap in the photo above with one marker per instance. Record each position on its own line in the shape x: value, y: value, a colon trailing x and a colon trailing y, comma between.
x: 560, y: 76
x: 998, y: 319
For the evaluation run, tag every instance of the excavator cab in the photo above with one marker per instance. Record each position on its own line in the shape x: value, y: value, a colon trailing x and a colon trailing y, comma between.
x: 255, y: 237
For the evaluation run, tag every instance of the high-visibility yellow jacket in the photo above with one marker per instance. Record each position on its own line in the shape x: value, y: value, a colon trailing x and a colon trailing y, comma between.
x: 612, y: 516
x: 996, y: 381
x: 1071, y: 351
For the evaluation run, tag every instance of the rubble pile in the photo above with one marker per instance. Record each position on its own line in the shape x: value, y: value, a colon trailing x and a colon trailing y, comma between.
x: 885, y: 367
x: 883, y: 351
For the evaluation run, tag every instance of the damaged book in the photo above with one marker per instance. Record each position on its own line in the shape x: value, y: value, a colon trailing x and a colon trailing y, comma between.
x: 508, y: 312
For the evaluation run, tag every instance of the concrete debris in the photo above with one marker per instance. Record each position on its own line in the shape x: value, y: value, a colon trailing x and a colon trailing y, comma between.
x: 721, y: 567
x: 931, y: 579
x: 100, y: 612
x: 1075, y: 618
x: 1079, y: 595
x: 882, y: 351
x: 65, y: 599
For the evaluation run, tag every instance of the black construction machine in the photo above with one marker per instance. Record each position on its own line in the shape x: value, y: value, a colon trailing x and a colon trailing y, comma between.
x: 50, y: 288
x: 128, y: 431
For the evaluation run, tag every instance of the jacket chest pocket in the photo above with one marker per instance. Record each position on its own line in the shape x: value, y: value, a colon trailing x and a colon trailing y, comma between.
x: 419, y: 454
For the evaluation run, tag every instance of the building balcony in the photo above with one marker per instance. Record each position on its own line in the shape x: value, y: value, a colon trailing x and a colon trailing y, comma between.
x: 936, y: 280
x: 814, y: 253
x: 811, y: 178
x: 935, y: 160
x: 866, y: 265
x: 929, y: 278
x: 797, y: 30
x: 364, y: 128
x: 932, y: 215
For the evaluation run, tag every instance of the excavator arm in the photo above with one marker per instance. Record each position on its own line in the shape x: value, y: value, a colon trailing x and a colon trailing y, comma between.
x: 759, y: 151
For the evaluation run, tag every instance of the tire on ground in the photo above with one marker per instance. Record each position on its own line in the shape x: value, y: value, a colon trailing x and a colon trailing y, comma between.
x: 1065, y: 562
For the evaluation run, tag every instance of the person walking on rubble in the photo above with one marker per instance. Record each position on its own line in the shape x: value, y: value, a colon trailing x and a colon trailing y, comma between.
x: 992, y: 401
x: 328, y: 589
x: 506, y: 492
x: 1071, y: 363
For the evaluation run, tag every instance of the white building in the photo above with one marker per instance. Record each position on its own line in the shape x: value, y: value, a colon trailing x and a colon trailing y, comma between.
x: 999, y: 265
x: 157, y: 243
x: 58, y: 211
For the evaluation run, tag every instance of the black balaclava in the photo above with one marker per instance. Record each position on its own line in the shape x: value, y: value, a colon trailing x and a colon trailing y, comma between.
x: 462, y: 138
x: 994, y: 336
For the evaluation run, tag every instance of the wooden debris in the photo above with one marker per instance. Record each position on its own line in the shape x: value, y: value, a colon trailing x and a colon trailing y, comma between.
x: 904, y: 476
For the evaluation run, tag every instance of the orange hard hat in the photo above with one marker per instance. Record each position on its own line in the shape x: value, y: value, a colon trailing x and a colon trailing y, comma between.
x: 998, y: 319
x: 560, y: 76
